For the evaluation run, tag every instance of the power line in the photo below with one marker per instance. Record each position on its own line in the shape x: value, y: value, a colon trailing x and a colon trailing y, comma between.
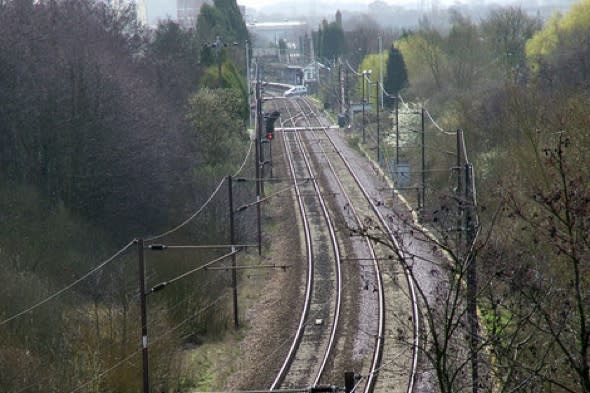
x: 118, y: 253
x: 245, y: 159
x: 352, y: 69
x: 205, y: 204
x: 105, y: 372
x: 436, y: 125
x: 70, y: 286
x: 189, y: 219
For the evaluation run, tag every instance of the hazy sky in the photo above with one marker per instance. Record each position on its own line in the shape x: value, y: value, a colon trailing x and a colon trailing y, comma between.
x: 357, y: 3
x: 263, y: 3
x: 161, y: 8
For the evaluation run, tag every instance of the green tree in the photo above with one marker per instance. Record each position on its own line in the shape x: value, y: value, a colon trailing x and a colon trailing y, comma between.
x: 559, y: 53
x: 174, y: 53
x: 221, y: 20
x: 506, y: 32
x: 370, y: 67
x: 218, y: 128
x: 329, y: 40
x: 396, y: 74
x: 425, y: 59
x: 464, y: 51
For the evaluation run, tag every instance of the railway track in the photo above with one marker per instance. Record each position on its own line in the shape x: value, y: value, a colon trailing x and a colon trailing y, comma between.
x: 388, y: 308
x: 314, y: 338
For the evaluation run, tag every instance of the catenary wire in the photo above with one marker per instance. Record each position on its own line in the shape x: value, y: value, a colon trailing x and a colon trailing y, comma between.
x: 436, y: 125
x: 190, y: 218
x: 245, y: 158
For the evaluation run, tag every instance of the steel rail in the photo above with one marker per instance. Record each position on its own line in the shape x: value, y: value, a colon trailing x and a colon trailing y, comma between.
x: 379, y: 279
x: 407, y: 274
x: 299, y: 335
x: 309, y: 282
x: 337, y: 261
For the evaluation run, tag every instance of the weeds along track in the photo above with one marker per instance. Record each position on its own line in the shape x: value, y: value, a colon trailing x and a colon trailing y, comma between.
x: 388, y: 314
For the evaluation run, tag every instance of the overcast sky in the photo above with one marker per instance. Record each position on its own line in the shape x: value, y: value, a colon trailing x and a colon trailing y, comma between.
x: 343, y: 3
x: 161, y: 8
x: 258, y: 4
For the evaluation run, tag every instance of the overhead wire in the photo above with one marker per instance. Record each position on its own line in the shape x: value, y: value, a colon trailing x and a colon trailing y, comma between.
x: 245, y: 158
x: 204, y: 205
x: 119, y: 252
x: 404, y: 103
x: 105, y: 372
x: 176, y: 327
x: 436, y: 125
x: 213, y: 278
x: 194, y: 270
x: 69, y: 286
x: 352, y: 69
x: 382, y: 366
x: 190, y: 218
x: 443, y: 131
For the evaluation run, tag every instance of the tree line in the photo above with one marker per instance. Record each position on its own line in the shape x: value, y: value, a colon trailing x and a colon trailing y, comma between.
x: 109, y: 130
x: 518, y: 87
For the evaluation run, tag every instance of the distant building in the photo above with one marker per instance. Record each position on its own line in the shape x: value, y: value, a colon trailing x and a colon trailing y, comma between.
x: 140, y: 8
x: 310, y: 73
x: 283, y: 73
x: 187, y: 11
x: 289, y: 31
x: 266, y: 33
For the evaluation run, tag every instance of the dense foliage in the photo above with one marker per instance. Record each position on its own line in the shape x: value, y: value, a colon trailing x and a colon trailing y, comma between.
x: 396, y: 75
x: 106, y: 135
x: 519, y: 88
x: 329, y: 41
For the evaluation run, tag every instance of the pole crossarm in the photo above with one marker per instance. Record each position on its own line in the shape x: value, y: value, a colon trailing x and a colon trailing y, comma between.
x: 294, y: 390
x: 293, y: 129
x: 244, y: 267
x: 259, y: 201
x: 273, y: 180
x: 163, y: 284
x: 162, y: 247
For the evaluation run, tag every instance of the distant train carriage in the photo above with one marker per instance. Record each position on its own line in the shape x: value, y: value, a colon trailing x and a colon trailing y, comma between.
x: 296, y: 91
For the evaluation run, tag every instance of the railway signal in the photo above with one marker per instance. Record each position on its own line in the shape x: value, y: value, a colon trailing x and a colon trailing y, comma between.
x: 269, y: 121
